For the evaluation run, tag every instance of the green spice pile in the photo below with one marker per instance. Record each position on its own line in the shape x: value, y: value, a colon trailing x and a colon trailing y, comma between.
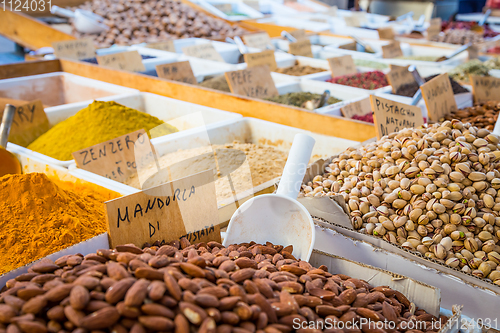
x: 493, y: 63
x: 418, y: 58
x: 300, y: 99
x: 218, y: 83
x: 473, y: 67
x: 370, y: 64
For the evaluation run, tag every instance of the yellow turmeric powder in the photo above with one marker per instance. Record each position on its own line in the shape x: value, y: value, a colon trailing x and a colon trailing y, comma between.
x: 97, y: 123
x: 39, y: 217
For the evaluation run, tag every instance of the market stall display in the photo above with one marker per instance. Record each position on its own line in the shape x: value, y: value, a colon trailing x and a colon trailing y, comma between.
x: 482, y: 115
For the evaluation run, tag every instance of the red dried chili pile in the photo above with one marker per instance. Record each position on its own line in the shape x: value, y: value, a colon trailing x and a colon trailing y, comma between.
x: 367, y: 117
x: 369, y: 80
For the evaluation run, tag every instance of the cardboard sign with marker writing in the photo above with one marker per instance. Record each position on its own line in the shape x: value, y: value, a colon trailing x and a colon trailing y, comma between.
x: 390, y: 116
x: 434, y: 28
x: 352, y: 21
x: 128, y: 61
x: 473, y: 52
x: 177, y: 71
x: 485, y: 88
x: 224, y: 7
x: 74, y: 49
x: 438, y: 96
x: 399, y: 76
x: 349, y: 46
x: 301, y: 47
x: 167, y: 45
x: 298, y: 33
x: 184, y: 207
x: 203, y: 51
x: 252, y: 82
x: 358, y: 108
x: 259, y: 40
x: 332, y: 11
x: 261, y: 58
x: 114, y: 159
x: 392, y: 50
x: 386, y: 33
x: 343, y: 65
x: 30, y: 121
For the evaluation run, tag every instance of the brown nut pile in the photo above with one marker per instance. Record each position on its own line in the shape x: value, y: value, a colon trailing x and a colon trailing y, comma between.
x: 458, y: 36
x: 133, y: 22
x: 482, y: 115
x: 194, y: 288
x: 434, y: 190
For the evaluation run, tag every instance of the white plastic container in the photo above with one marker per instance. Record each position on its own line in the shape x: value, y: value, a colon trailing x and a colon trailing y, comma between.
x: 417, y: 50
x: 376, y: 45
x: 284, y: 45
x: 237, y: 7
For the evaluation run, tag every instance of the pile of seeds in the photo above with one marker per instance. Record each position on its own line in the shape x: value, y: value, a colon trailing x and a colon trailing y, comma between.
x: 482, y: 115
x: 199, y: 288
x: 433, y: 190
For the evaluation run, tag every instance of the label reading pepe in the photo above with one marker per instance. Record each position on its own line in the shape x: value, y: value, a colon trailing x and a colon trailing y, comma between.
x: 252, y: 82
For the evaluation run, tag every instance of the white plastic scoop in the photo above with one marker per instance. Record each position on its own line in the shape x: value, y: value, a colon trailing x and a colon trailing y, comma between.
x: 279, y: 218
x: 84, y: 21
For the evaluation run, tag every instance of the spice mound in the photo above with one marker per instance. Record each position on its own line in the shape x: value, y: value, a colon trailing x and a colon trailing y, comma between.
x: 218, y: 83
x: 493, y: 63
x: 482, y: 115
x: 97, y: 123
x: 302, y: 99
x: 473, y: 67
x: 202, y: 287
x: 249, y: 165
x: 418, y: 58
x: 299, y: 70
x: 370, y: 64
x: 433, y: 190
x: 410, y: 89
x: 39, y: 217
x: 369, y: 80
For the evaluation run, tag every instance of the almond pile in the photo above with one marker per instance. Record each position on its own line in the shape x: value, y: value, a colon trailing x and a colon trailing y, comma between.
x: 195, y: 288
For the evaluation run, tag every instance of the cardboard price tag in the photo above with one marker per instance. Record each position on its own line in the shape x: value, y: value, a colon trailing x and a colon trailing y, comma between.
x: 392, y: 50
x: 390, y: 116
x: 332, y: 11
x: 485, y: 88
x: 298, y: 33
x: 438, y: 97
x: 261, y: 58
x: 128, y: 61
x: 473, y: 52
x: 259, y: 40
x: 30, y: 121
x: 301, y: 48
x: 399, y: 76
x: 184, y: 207
x: 386, y: 33
x: 434, y: 28
x: 252, y: 82
x: 203, y: 51
x: 349, y: 46
x: 167, y: 45
x: 224, y: 7
x: 177, y: 71
x: 358, y: 108
x: 352, y: 21
x: 74, y: 49
x: 114, y: 159
x: 343, y: 65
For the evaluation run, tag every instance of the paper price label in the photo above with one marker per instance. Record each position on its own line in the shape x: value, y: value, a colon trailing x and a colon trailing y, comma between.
x: 399, y: 76
x: 392, y: 50
x: 343, y: 65
x: 438, y: 97
x: 352, y: 21
x: 203, y: 51
x: 252, y: 82
x: 224, y: 7
x: 390, y: 116
x: 74, y: 49
x: 485, y: 88
x: 332, y: 11
x: 127, y: 61
x: 301, y: 48
x: 434, y: 28
x: 177, y: 71
x: 259, y: 40
x: 473, y: 52
x: 167, y: 45
x: 30, y: 121
x: 358, y: 108
x: 184, y: 207
x: 386, y: 33
x: 298, y: 33
x: 261, y: 58
x: 349, y: 46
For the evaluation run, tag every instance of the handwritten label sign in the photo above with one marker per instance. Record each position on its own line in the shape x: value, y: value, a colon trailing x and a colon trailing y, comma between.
x: 224, y: 7
x: 261, y: 58
x: 473, y: 52
x: 392, y: 50
x: 298, y: 33
x: 301, y: 47
x: 114, y: 159
x: 352, y: 21
x: 167, y: 45
x: 358, y: 108
x: 399, y: 76
x: 203, y: 51
x: 30, y: 121
x: 386, y: 33
x: 177, y: 71
x: 252, y: 82
x: 259, y: 40
x: 128, y: 61
x: 485, y: 88
x: 74, y: 49
x: 184, y: 207
x: 343, y: 65
x: 332, y: 11
x: 434, y: 28
x: 390, y: 116
x: 254, y: 4
x: 438, y: 97
x: 349, y: 46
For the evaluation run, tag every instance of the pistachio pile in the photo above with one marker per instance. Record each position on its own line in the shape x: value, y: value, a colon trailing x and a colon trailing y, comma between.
x: 433, y: 190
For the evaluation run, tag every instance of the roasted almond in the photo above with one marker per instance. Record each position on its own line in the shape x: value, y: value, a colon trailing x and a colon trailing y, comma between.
x: 192, y: 270
x: 104, y: 318
x: 192, y: 312
x: 79, y: 297
x: 242, y: 275
x: 137, y: 293
x: 117, y: 291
